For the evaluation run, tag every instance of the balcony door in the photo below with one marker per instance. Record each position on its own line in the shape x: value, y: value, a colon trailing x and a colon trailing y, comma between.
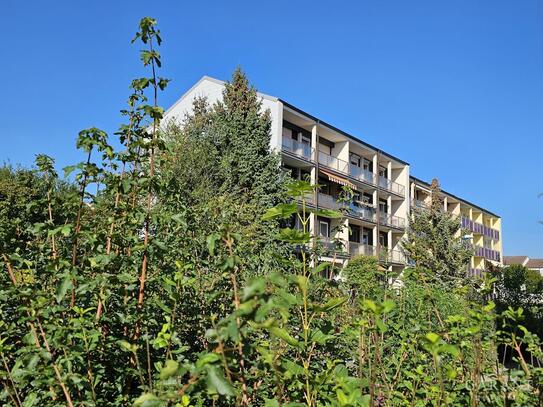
x: 365, y: 237
x: 383, y: 172
x: 355, y: 234
x: 324, y: 228
x: 383, y: 240
x: 383, y: 207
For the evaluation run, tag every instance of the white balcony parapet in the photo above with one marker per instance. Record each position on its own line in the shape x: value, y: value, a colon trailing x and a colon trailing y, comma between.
x: 333, y: 163
x: 295, y: 147
x: 361, y: 249
x: 391, y: 186
x: 391, y: 220
x: 361, y: 174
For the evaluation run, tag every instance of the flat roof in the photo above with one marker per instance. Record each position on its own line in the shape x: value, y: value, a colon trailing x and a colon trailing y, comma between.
x: 455, y: 197
x: 344, y: 133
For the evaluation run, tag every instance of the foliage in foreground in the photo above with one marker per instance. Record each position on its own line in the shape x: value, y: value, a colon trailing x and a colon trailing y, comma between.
x: 152, y: 293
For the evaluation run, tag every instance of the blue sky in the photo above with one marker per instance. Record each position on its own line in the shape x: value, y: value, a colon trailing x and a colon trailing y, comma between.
x: 453, y: 87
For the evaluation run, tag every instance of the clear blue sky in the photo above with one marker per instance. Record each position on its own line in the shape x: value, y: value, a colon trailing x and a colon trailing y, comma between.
x: 453, y: 87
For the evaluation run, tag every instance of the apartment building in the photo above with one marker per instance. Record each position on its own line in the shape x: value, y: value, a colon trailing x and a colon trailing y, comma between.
x: 377, y: 217
x: 483, y: 226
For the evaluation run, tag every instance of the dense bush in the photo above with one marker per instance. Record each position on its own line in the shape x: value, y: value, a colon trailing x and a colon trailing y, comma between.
x: 161, y: 277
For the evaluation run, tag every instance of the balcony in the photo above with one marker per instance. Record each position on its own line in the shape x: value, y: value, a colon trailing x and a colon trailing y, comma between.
x: 361, y: 174
x: 487, y: 253
x: 391, y: 220
x: 301, y: 150
x: 332, y: 245
x: 417, y: 203
x: 396, y: 256
x: 327, y: 201
x: 360, y: 249
x: 333, y: 163
x: 479, y: 228
x: 366, y: 213
x: 472, y: 272
x: 386, y: 256
x: 391, y: 186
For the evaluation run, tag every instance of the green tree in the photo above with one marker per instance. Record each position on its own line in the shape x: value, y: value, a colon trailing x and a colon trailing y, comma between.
x: 221, y: 159
x: 434, y: 241
x: 517, y: 286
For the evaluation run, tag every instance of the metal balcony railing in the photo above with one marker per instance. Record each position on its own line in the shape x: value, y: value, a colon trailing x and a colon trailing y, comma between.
x: 391, y: 186
x: 363, y: 212
x: 487, y: 253
x: 391, y: 220
x: 472, y: 272
x: 419, y: 204
x: 295, y: 147
x: 479, y: 228
x: 361, y: 174
x: 333, y: 163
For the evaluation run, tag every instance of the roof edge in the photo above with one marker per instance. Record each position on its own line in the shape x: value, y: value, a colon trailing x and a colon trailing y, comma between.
x: 334, y: 128
x: 456, y: 197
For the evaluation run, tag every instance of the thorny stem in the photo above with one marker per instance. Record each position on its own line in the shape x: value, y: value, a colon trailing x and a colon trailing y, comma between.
x: 244, y: 396
x: 78, y: 222
x: 144, y: 263
x: 10, y: 377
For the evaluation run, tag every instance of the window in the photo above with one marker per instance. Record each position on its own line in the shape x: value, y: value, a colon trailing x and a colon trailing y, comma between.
x: 367, y: 164
x: 383, y: 206
x: 324, y: 229
x: 355, y: 234
x: 383, y: 239
x: 383, y: 172
x: 355, y: 160
x: 366, y: 237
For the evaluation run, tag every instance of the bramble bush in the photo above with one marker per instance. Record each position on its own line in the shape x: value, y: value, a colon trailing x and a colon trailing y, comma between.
x: 163, y: 275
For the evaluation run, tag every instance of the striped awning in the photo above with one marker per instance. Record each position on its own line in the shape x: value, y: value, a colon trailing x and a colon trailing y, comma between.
x: 339, y: 180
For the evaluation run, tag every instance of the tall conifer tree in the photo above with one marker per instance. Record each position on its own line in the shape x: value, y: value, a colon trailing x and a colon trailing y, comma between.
x: 435, y: 240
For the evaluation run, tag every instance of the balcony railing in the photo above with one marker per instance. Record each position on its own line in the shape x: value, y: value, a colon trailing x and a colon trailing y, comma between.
x: 297, y: 148
x: 479, y: 228
x: 419, y: 204
x: 391, y: 186
x: 332, y: 245
x: 396, y: 256
x: 391, y: 220
x: 327, y: 201
x: 385, y: 256
x: 333, y: 163
x: 363, y: 212
x: 487, y: 253
x: 472, y: 272
x: 361, y: 249
x: 361, y: 174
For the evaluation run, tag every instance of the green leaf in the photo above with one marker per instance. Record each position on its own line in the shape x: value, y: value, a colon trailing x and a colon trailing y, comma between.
x: 432, y: 337
x: 170, y: 368
x: 327, y: 213
x: 281, y: 211
x: 147, y: 400
x: 255, y: 287
x: 63, y: 287
x: 217, y: 383
x: 211, y: 242
x: 206, y: 359
x: 284, y: 335
x: 294, y: 236
x: 334, y: 303
x: 300, y: 188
